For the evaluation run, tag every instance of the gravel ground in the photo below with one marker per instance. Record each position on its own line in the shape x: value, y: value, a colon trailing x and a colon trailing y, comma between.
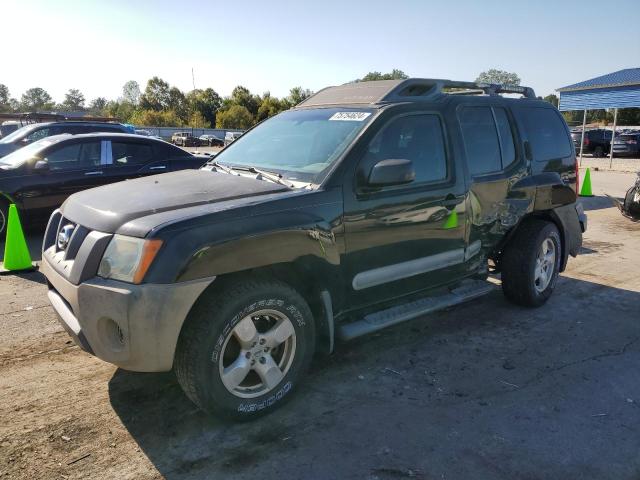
x: 485, y: 390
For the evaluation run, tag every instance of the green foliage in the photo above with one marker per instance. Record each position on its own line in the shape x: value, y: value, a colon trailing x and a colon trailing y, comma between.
x: 97, y: 106
x: 270, y: 106
x: 237, y: 116
x: 395, y: 74
x: 123, y: 111
x: 500, y: 77
x: 197, y: 120
x: 297, y: 95
x: 156, y: 95
x: 73, y: 100
x: 164, y: 105
x: 167, y: 118
x: 243, y: 97
x: 204, y: 102
x: 5, y: 106
x: 36, y: 99
x: 552, y: 99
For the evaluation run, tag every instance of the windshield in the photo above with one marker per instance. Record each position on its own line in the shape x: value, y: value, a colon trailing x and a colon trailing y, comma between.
x: 299, y: 144
x: 19, y: 133
x: 17, y: 158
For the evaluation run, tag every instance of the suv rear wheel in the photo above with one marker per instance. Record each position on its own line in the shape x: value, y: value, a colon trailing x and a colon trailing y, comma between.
x: 598, y: 152
x: 243, y: 349
x: 531, y: 263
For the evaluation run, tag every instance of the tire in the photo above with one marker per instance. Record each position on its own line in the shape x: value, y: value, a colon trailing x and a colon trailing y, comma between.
x: 598, y: 152
x: 523, y: 282
x: 210, y: 345
x: 4, y: 217
x: 630, y: 207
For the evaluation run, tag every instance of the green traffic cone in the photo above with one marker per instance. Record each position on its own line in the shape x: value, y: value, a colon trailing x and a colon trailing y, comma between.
x: 451, y: 221
x: 585, y: 191
x: 16, y: 252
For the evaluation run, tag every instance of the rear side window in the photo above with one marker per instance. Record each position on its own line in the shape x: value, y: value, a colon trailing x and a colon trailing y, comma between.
x: 547, y: 134
x: 418, y: 138
x: 127, y: 154
x: 38, y: 134
x: 480, y: 140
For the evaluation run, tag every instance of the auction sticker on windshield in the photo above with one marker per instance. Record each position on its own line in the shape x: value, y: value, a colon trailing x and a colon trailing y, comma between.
x: 350, y: 116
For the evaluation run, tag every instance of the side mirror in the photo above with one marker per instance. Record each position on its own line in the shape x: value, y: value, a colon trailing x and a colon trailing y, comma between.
x: 391, y: 172
x: 41, y: 166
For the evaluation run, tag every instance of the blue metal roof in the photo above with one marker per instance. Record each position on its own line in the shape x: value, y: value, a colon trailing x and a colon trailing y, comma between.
x: 619, y: 89
x: 628, y: 76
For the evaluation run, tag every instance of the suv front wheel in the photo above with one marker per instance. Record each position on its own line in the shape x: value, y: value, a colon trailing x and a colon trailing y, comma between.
x: 244, y: 348
x: 531, y: 262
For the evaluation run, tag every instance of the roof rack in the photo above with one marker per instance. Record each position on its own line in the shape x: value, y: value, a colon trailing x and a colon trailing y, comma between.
x: 412, y: 89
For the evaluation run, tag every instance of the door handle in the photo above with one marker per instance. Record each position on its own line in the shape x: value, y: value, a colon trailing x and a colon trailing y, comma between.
x: 159, y: 167
x: 99, y: 172
x: 450, y: 202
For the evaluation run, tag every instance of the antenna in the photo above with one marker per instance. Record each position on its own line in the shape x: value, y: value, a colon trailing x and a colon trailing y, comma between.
x: 193, y: 78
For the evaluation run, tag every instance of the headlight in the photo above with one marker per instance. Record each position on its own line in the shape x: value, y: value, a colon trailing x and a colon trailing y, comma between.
x: 128, y: 258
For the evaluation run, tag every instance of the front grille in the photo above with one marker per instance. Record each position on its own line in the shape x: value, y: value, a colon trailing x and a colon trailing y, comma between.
x: 60, y: 228
x: 77, y: 256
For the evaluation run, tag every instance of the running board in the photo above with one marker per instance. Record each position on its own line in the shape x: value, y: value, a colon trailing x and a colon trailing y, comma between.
x: 468, y: 290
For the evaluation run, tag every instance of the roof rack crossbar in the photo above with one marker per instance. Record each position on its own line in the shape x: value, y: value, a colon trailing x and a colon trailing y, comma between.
x: 432, y: 87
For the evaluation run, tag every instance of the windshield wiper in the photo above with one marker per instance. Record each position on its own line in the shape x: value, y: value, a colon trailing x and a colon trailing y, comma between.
x: 224, y: 168
x: 274, y: 177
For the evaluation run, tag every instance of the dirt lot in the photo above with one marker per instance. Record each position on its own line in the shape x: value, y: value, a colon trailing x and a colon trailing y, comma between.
x: 485, y: 390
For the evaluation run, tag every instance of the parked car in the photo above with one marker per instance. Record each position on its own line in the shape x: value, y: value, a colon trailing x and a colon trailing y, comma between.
x: 184, y: 139
x: 230, y: 137
x: 40, y: 176
x: 596, y: 142
x: 9, y: 126
x: 211, y: 140
x: 364, y: 206
x: 31, y: 133
x: 627, y: 145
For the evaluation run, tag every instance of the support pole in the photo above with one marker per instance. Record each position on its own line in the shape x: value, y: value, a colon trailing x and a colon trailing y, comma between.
x: 613, y: 137
x: 584, y: 124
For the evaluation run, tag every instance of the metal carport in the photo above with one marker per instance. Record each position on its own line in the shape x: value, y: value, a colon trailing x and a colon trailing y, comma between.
x: 615, y: 90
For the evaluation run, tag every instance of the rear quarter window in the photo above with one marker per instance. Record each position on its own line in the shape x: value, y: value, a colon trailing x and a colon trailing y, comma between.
x: 547, y: 134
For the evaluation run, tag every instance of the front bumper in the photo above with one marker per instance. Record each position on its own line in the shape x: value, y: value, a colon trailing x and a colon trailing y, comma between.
x: 135, y: 327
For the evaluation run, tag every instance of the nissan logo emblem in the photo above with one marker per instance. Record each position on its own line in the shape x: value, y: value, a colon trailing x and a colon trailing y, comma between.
x: 64, y: 236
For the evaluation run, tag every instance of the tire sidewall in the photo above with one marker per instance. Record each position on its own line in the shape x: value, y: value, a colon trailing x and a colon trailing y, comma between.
x: 215, y: 391
x: 550, y: 231
x: 4, y: 218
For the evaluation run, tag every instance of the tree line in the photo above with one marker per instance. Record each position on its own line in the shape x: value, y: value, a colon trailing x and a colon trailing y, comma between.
x: 163, y: 105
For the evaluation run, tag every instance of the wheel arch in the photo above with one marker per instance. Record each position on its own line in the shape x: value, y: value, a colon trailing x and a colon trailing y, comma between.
x: 307, y: 280
x: 547, y: 215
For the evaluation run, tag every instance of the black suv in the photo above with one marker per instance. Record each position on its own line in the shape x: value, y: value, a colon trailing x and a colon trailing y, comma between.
x: 366, y: 205
x: 596, y: 142
x: 40, y: 176
x: 31, y: 133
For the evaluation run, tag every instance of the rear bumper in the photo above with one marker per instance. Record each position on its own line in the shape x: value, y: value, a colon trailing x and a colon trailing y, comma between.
x: 135, y: 327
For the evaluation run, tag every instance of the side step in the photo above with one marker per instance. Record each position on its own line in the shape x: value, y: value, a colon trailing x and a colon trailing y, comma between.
x: 468, y: 290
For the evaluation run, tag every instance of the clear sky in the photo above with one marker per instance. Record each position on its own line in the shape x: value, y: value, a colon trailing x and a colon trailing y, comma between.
x: 96, y: 46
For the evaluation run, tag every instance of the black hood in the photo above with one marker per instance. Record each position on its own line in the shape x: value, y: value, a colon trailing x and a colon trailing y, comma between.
x: 108, y: 208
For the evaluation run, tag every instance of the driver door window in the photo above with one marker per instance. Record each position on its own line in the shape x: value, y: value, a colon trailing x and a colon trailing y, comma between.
x: 418, y: 138
x: 75, y: 156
